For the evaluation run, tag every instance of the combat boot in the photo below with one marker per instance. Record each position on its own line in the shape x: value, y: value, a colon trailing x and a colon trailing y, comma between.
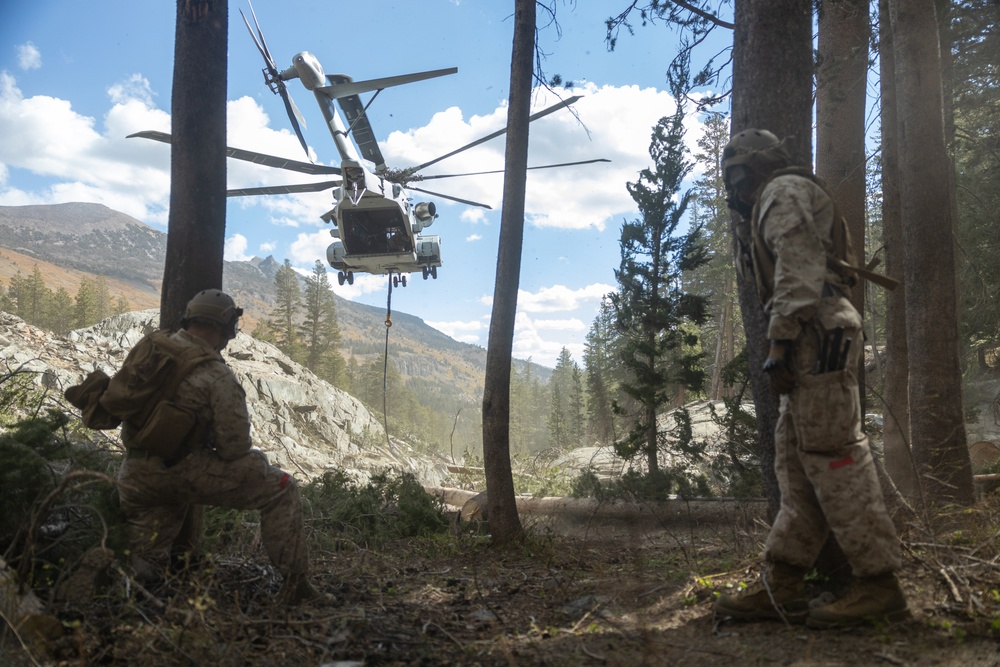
x: 778, y: 594
x: 297, y: 590
x: 92, y: 577
x: 869, y: 599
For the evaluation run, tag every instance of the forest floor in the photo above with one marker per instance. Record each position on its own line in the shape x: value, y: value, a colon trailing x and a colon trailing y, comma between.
x: 588, y: 594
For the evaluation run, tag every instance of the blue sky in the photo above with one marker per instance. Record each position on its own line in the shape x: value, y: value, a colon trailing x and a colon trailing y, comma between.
x: 76, y: 78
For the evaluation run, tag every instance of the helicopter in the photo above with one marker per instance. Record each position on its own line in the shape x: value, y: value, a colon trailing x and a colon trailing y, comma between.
x: 377, y: 227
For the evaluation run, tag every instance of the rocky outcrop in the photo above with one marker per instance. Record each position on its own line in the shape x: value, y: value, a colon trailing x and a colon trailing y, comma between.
x: 303, y: 423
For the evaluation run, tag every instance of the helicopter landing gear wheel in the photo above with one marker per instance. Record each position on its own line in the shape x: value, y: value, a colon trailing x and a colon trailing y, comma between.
x: 426, y: 272
x: 434, y: 272
x: 350, y: 277
x: 402, y: 280
x: 395, y: 281
x: 341, y: 277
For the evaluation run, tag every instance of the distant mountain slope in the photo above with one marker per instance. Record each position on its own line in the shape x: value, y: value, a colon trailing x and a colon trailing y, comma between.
x: 93, y: 239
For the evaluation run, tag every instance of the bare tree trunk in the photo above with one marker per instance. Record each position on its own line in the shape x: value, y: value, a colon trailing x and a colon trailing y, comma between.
x: 841, y: 80
x: 772, y: 89
x: 196, y: 227
x: 896, y: 410
x: 505, y: 525
x: 937, y: 424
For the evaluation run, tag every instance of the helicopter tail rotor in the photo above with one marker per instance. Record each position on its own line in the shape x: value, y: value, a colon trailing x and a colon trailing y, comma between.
x: 275, y: 79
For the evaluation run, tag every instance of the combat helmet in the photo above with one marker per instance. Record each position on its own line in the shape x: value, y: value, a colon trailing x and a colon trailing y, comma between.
x: 213, y: 306
x: 760, y: 151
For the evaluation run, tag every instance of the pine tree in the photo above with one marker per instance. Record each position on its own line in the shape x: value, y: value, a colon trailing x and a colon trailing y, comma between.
x: 102, y: 299
x: 320, y: 334
x: 60, y: 318
x: 30, y: 297
x: 600, y: 357
x: 566, y: 388
x: 85, y: 304
x: 652, y: 304
x: 558, y: 433
x: 283, y: 318
x: 722, y: 335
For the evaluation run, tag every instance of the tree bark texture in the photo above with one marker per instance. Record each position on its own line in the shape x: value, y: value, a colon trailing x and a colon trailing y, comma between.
x: 505, y: 525
x: 896, y: 409
x: 196, y: 226
x: 772, y: 89
x: 841, y: 81
x: 935, y: 383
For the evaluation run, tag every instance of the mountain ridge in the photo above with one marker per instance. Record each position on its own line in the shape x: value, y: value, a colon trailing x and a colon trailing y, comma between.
x: 80, y: 239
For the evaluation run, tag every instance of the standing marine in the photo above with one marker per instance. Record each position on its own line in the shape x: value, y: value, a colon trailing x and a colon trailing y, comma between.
x: 794, y: 244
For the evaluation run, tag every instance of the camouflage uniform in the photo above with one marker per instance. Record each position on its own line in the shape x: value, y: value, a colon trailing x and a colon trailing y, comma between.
x: 163, y: 503
x: 822, y: 458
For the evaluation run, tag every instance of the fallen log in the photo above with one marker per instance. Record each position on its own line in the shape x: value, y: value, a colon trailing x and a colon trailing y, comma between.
x: 669, y: 512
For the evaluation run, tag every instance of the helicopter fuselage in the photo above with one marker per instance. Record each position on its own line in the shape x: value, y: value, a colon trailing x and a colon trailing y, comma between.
x: 377, y: 228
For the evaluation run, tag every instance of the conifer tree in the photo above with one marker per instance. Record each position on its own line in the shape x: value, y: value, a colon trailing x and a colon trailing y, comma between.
x: 320, y: 333
x: 558, y: 432
x: 102, y: 299
x: 60, y: 318
x: 652, y: 304
x: 30, y: 297
x: 601, y: 360
x: 283, y: 318
x: 85, y: 304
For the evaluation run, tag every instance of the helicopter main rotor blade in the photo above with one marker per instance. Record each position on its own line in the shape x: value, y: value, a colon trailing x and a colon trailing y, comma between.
x: 532, y: 117
x: 500, y: 171
x: 283, y: 189
x: 274, y: 80
x: 458, y: 199
x: 337, y: 89
x: 251, y: 156
x: 261, y: 45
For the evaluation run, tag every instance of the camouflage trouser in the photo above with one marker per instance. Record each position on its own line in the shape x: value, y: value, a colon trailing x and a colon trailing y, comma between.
x: 163, y: 505
x: 823, y: 463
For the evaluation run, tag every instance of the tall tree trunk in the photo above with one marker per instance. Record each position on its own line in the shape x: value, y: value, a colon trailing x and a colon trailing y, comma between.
x: 936, y: 418
x: 505, y: 525
x: 196, y: 226
x: 772, y: 89
x: 896, y: 411
x: 841, y: 81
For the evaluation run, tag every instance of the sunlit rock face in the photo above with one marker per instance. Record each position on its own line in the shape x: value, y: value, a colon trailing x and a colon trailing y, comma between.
x: 305, y: 425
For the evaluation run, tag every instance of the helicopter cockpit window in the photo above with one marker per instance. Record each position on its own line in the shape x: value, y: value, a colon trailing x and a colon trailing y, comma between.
x: 375, y: 232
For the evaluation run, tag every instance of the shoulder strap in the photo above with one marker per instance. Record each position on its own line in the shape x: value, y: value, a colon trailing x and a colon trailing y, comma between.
x: 187, y: 359
x: 843, y: 260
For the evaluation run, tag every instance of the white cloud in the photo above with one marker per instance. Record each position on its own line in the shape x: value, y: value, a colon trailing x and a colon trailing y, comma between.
x: 530, y: 343
x: 28, y: 56
x: 80, y: 160
x: 610, y: 122
x: 473, y: 215
x: 134, y: 88
x: 235, y: 249
x: 462, y: 331
x: 557, y: 298
x: 268, y: 247
x: 473, y: 237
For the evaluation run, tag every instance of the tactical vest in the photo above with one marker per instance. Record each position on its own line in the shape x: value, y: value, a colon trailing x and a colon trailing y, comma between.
x: 840, y: 259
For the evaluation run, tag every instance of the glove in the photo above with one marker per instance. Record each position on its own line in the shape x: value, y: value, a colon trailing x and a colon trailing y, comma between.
x: 778, y: 366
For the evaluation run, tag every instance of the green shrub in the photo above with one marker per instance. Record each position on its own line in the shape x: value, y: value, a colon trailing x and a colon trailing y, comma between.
x: 36, y: 459
x: 372, y: 514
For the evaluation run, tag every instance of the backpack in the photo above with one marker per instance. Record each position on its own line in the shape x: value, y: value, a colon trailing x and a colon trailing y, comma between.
x: 841, y: 260
x: 142, y: 392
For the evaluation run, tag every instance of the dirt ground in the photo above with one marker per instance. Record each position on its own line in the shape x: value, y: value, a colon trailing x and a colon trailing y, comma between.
x: 587, y: 594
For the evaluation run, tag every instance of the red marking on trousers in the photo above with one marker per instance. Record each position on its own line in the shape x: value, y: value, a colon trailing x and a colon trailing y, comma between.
x: 840, y: 463
x: 283, y: 482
